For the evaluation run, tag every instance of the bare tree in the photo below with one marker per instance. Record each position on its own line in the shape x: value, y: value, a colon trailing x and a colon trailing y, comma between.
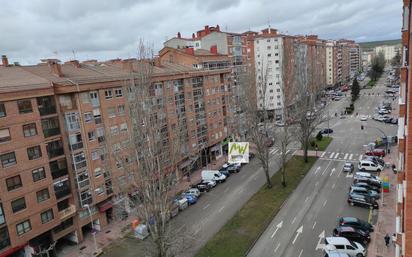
x: 155, y: 152
x: 257, y: 116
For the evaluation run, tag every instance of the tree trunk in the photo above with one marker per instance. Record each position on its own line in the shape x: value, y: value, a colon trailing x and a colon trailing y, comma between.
x: 305, y: 152
x: 268, y: 182
x: 283, y: 174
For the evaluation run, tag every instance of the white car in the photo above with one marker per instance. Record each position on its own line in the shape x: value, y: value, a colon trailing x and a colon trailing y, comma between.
x: 384, y: 111
x: 193, y: 191
x: 363, y: 118
x: 211, y: 183
x: 343, y: 245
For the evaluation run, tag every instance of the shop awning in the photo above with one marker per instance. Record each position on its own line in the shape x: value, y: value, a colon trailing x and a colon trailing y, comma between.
x: 105, y: 206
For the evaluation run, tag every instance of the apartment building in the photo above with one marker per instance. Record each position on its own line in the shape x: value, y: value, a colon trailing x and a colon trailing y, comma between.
x: 389, y: 51
x: 342, y: 62
x: 330, y: 58
x: 404, y: 181
x: 354, y: 59
x: 62, y: 125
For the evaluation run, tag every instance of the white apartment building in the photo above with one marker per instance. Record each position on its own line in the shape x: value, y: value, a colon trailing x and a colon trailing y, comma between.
x: 268, y: 65
x: 388, y: 51
x: 330, y: 81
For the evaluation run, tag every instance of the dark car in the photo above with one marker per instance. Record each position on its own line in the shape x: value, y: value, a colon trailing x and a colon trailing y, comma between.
x: 225, y: 171
x: 203, y: 187
x: 353, y: 234
x: 232, y: 167
x: 387, y: 120
x: 370, y: 182
x: 326, y: 131
x: 394, y: 121
x: 367, y: 186
x: 362, y: 201
x: 376, y: 160
x: 355, y: 223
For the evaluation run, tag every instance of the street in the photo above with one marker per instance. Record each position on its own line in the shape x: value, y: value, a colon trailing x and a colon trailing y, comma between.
x: 312, y: 211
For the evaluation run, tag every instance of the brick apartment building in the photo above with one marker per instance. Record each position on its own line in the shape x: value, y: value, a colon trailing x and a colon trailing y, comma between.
x: 61, y: 122
x: 404, y: 186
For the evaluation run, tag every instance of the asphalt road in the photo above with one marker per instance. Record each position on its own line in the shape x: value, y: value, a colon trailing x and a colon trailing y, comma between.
x: 315, y: 205
x: 313, y: 209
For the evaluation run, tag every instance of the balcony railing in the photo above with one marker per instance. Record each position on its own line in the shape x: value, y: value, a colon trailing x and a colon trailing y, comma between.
x: 62, y: 192
x: 76, y: 146
x: 57, y: 172
x: 83, y: 183
x: 63, y: 214
x: 47, y: 110
x: 55, y: 152
x: 79, y: 165
x: 51, y: 132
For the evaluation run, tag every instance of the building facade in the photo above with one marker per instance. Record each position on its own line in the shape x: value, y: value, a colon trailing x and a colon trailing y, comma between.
x: 62, y: 126
x: 389, y: 51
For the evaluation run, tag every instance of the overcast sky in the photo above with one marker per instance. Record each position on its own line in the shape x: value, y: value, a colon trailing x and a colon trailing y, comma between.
x: 99, y: 29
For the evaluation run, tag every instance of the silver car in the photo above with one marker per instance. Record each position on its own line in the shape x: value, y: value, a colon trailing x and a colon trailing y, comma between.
x: 348, y: 167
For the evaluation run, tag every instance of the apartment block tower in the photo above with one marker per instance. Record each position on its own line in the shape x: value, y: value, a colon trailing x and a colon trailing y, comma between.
x: 60, y: 126
x: 404, y: 181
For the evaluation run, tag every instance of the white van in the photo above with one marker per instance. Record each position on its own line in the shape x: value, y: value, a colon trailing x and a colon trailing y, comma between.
x: 343, y: 245
x: 213, y: 175
x: 368, y: 165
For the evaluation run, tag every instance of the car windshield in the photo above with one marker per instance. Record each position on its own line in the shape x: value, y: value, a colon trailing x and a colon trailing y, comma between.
x: 353, y: 244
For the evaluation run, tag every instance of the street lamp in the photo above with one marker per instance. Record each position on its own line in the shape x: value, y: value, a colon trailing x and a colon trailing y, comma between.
x: 93, y: 230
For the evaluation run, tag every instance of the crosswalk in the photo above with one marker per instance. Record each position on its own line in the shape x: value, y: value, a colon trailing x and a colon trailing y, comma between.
x: 341, y: 156
x: 276, y: 151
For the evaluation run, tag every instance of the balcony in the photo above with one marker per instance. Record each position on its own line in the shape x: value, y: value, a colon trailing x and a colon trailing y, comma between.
x: 47, y: 110
x: 76, y: 146
x: 51, y: 132
x: 58, y: 168
x: 62, y: 192
x: 79, y: 165
x: 54, y: 152
x: 46, y: 105
x: 63, y: 214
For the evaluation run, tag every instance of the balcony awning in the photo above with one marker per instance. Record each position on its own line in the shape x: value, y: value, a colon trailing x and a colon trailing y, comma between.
x: 105, y: 206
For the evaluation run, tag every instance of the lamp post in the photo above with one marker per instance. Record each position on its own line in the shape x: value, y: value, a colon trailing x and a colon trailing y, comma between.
x: 93, y: 230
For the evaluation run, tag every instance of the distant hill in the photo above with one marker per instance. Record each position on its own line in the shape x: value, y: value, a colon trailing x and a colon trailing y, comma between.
x: 373, y: 44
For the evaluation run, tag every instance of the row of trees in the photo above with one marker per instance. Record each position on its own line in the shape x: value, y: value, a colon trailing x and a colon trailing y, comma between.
x: 377, y: 66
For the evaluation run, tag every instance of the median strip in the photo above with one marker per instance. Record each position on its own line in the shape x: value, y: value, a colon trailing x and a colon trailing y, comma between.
x: 239, y: 234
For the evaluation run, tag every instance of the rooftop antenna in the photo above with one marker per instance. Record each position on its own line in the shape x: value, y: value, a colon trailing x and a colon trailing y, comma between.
x: 74, y: 54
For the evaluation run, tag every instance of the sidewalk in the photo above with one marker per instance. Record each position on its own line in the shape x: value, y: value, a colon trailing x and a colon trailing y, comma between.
x: 385, y: 222
x: 310, y: 153
x: 118, y: 229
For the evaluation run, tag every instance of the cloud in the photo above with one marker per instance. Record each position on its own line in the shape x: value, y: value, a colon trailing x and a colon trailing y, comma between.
x: 96, y: 29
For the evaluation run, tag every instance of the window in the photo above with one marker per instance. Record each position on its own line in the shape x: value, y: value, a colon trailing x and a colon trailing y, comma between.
x: 2, y: 219
x: 120, y: 109
x: 88, y: 117
x: 97, y: 116
x: 29, y: 130
x: 97, y: 172
x: 111, y: 111
x: 23, y: 227
x: 269, y: 55
x: 8, y: 159
x: 123, y: 127
x: 43, y: 195
x: 91, y: 136
x: 118, y: 92
x: 4, y: 135
x: 114, y: 130
x: 108, y: 94
x: 13, y: 183
x: 34, y: 152
x: 95, y: 155
x: 2, y: 110
x: 85, y: 98
x: 38, y: 174
x: 18, y: 205
x: 99, y: 190
x: 46, y: 216
x: 24, y: 106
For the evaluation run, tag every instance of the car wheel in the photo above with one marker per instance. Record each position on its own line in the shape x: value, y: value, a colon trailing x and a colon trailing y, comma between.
x: 378, y: 170
x: 359, y: 255
x: 352, y: 203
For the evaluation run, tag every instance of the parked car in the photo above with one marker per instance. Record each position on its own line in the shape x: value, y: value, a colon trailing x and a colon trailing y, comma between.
x: 376, y: 152
x: 326, y: 131
x: 191, y: 199
x: 384, y: 111
x: 343, y: 245
x: 355, y: 223
x: 364, y: 191
x: 193, y: 191
x: 363, y: 118
x: 348, y: 167
x: 387, y: 120
x: 376, y: 159
x: 203, y: 186
x: 181, y: 202
x: 232, y: 167
x: 369, y: 181
x: 352, y: 234
x: 214, y: 175
x: 211, y: 183
x: 367, y: 165
x: 362, y: 201
x: 225, y: 172
x: 394, y: 121
x: 336, y: 254
x: 367, y: 175
x: 367, y: 186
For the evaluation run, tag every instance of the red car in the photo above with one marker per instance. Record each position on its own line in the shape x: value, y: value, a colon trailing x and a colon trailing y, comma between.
x: 376, y: 152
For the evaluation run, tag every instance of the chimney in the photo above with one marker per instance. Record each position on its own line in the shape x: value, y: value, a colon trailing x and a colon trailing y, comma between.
x: 213, y: 49
x: 207, y: 31
x: 193, y: 36
x: 4, y: 60
x: 55, y: 67
x: 190, y: 50
x: 179, y: 35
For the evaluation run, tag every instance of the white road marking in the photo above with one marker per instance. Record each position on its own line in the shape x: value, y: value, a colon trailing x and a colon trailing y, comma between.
x: 207, y: 206
x: 339, y: 172
x: 300, y: 254
x: 298, y: 232
x: 333, y: 170
x: 331, y: 155
x: 294, y: 219
x: 316, y: 184
x: 336, y: 156
x: 346, y: 156
x: 349, y: 175
x: 277, y: 247
x: 350, y: 156
x: 314, y: 224
x: 197, y: 230
x: 221, y: 209
x: 317, y: 170
x: 360, y: 157
x: 319, y: 245
x: 307, y: 198
x: 278, y: 226
x: 323, y: 154
x: 333, y: 186
x: 324, y: 203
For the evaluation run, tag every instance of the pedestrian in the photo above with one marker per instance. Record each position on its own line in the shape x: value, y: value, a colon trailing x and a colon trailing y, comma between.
x: 387, y: 240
